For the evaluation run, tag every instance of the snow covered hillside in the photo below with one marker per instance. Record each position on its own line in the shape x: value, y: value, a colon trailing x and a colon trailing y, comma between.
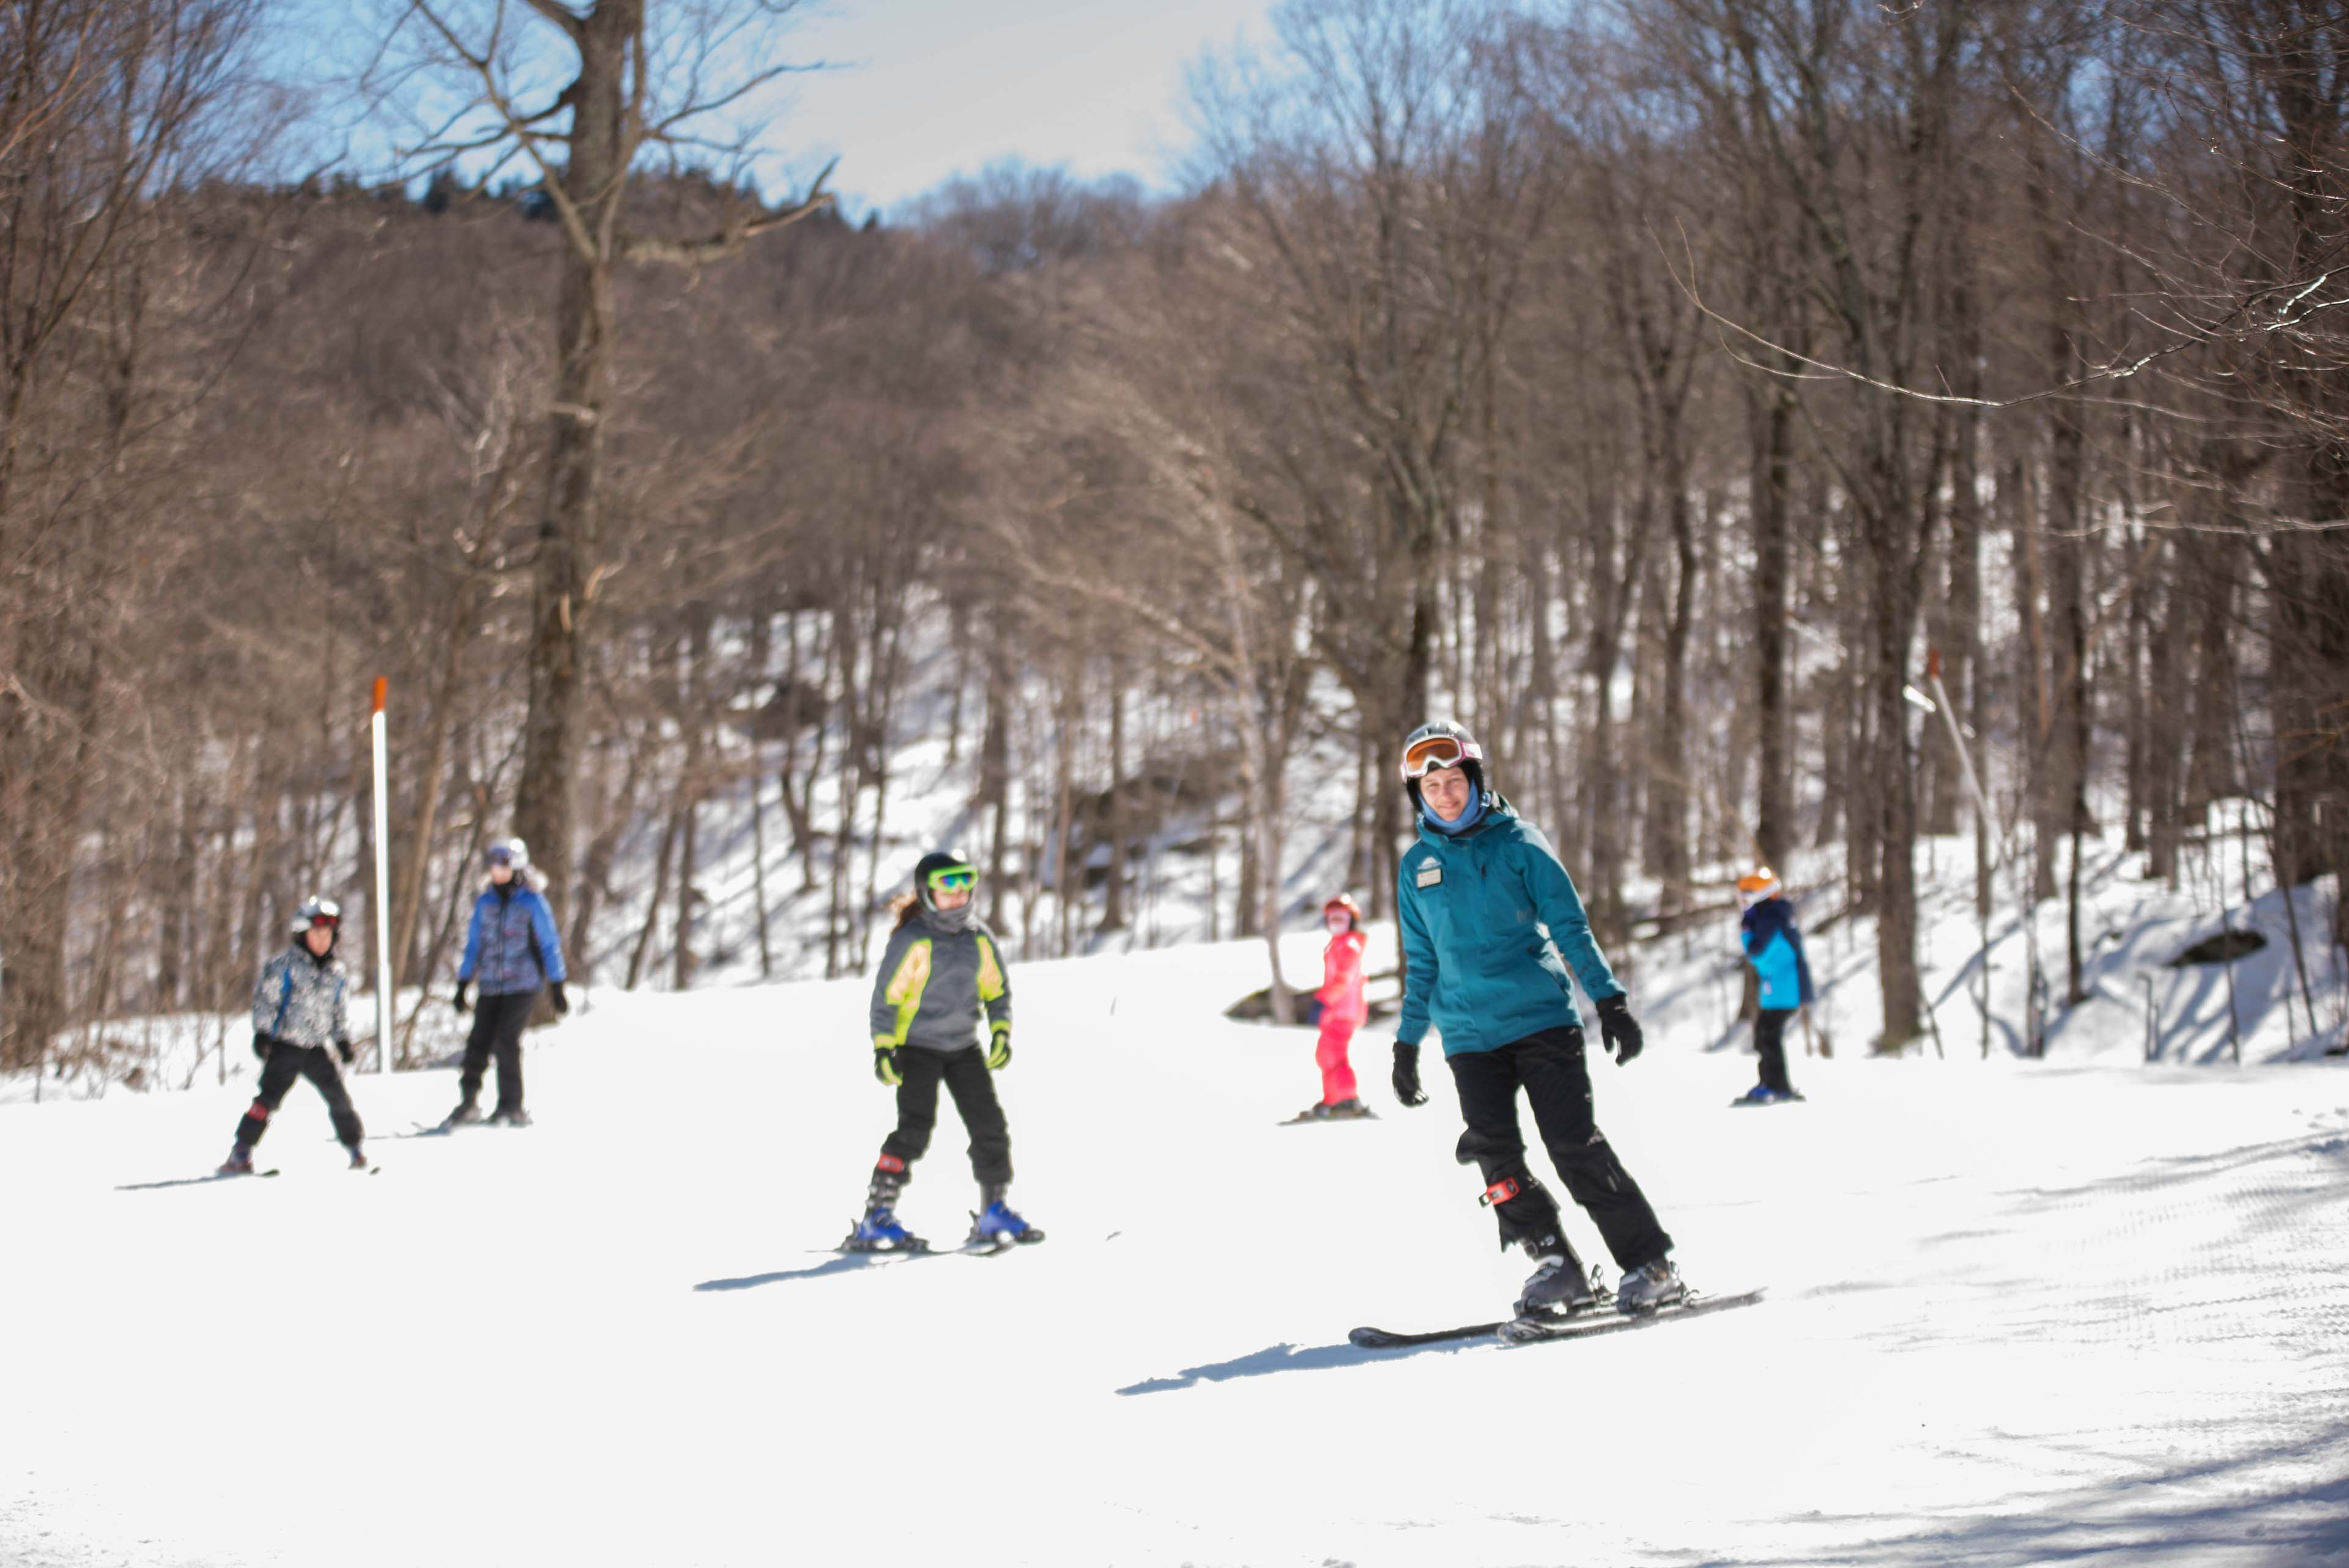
x: 2018, y: 1313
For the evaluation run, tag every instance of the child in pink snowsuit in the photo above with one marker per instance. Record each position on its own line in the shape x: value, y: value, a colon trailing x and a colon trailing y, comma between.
x: 1339, y: 1008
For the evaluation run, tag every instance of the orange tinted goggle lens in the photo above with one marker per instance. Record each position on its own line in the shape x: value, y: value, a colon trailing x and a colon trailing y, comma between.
x: 1435, y: 752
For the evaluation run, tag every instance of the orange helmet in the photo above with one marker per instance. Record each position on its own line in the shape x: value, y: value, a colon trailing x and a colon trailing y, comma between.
x: 1343, y: 901
x: 1752, y: 889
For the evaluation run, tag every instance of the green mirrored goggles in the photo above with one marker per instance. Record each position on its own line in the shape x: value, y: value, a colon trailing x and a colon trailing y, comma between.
x: 952, y: 879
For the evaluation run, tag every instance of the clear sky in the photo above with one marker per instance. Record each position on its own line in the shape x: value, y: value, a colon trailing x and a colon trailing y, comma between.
x: 914, y: 91
x: 928, y: 88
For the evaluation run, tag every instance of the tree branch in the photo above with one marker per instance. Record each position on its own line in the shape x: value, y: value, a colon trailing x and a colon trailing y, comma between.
x: 730, y: 241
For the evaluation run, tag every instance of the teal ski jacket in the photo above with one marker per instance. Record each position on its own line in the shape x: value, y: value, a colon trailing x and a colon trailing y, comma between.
x: 1491, y: 923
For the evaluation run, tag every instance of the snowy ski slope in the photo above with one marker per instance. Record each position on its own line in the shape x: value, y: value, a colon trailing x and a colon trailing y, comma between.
x: 2019, y: 1313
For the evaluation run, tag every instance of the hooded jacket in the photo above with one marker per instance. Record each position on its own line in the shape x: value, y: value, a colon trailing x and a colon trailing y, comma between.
x: 299, y: 998
x: 1491, y: 924
x: 511, y: 945
x: 1341, y: 995
x: 1774, y: 946
x: 934, y: 985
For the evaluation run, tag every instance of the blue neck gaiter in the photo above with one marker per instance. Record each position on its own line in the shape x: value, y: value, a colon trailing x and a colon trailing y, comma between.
x: 1468, y: 818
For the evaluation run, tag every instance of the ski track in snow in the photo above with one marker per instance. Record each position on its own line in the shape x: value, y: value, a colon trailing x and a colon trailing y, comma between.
x: 2019, y: 1313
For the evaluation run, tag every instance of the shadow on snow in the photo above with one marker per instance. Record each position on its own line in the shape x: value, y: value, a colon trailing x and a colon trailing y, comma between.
x: 1288, y: 1357
x: 842, y: 1263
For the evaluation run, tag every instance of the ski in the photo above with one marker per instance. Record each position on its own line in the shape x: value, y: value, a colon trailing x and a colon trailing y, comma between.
x: 1584, y: 1326
x: 1305, y: 1117
x: 890, y: 1254
x: 1773, y: 1100
x: 194, y: 1180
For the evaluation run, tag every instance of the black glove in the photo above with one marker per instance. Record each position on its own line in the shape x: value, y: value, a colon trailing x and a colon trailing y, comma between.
x: 885, y: 1065
x: 343, y: 1049
x: 561, y: 1003
x: 999, y: 1047
x: 458, y: 1001
x: 1406, y: 1075
x: 1313, y: 1012
x: 1619, y: 1029
x: 263, y: 1045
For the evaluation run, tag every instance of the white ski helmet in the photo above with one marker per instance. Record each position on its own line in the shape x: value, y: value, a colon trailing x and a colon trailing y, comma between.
x: 315, y: 911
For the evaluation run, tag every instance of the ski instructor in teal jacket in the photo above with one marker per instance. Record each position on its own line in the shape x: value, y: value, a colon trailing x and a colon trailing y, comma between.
x: 1491, y: 924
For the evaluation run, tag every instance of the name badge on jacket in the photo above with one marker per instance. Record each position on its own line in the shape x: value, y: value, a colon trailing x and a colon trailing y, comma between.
x: 1429, y: 876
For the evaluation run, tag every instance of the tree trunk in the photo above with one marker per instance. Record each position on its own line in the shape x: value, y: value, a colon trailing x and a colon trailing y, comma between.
x: 567, y: 569
x: 1772, y: 413
x: 1114, y: 821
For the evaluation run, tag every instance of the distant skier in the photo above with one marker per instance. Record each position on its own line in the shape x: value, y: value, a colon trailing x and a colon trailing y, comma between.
x: 1490, y: 923
x: 1338, y: 1009
x: 298, y: 1017
x: 510, y: 950
x: 1774, y: 946
x: 942, y: 972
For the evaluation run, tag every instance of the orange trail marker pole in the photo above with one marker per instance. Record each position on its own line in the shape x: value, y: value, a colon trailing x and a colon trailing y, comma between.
x: 383, y: 997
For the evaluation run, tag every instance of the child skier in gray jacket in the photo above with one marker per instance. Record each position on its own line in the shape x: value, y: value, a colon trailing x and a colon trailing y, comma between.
x: 298, y: 1015
x: 942, y: 972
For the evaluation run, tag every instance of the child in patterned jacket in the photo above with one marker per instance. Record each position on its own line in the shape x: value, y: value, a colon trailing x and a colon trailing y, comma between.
x: 299, y: 1026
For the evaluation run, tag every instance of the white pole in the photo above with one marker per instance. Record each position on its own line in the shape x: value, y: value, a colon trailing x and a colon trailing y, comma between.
x: 383, y: 997
x: 1982, y: 821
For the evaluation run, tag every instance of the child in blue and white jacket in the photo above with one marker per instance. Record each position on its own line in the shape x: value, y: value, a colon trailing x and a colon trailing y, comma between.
x: 300, y: 1025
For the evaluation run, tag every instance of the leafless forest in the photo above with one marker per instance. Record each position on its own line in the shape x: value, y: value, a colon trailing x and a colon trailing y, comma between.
x: 1649, y: 384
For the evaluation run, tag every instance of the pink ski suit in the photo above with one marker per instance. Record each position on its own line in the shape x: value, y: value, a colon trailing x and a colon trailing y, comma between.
x: 1342, y: 1012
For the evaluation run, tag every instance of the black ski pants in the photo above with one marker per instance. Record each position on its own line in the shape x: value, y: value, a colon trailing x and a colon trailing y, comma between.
x: 920, y: 1070
x: 1550, y: 1068
x: 285, y: 1064
x: 1770, y: 1039
x: 497, y: 1027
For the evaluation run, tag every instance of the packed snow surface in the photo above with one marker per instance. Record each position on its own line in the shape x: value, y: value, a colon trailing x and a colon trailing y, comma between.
x: 2017, y: 1312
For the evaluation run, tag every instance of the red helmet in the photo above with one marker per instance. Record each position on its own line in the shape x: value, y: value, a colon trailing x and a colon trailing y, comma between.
x: 1343, y: 901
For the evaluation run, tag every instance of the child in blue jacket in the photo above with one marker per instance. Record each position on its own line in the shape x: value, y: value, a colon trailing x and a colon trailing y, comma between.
x: 1491, y: 925
x: 510, y: 950
x: 1774, y: 946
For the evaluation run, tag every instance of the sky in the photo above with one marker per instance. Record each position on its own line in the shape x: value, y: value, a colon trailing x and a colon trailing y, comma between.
x: 928, y: 88
x: 911, y: 92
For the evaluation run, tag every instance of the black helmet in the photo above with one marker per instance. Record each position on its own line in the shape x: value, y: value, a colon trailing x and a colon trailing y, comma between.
x: 944, y: 868
x: 1442, y: 744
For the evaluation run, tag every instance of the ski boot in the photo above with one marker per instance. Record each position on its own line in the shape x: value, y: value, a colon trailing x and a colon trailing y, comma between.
x: 510, y: 1116
x: 467, y: 1114
x: 1557, y: 1289
x: 358, y: 1159
x: 239, y: 1161
x: 1650, y: 1285
x: 996, y: 1226
x: 1349, y: 1110
x: 879, y: 1231
x: 1764, y: 1095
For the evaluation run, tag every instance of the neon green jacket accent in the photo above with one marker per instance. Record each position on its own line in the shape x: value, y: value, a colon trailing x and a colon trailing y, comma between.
x: 935, y: 986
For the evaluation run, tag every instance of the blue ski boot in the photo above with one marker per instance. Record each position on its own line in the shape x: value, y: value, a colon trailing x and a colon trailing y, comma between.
x: 996, y: 1226
x: 878, y: 1231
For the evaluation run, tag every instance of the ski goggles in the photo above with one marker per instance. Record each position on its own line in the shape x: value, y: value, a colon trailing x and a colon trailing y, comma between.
x: 497, y: 855
x: 326, y: 918
x: 1422, y: 757
x: 954, y: 879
